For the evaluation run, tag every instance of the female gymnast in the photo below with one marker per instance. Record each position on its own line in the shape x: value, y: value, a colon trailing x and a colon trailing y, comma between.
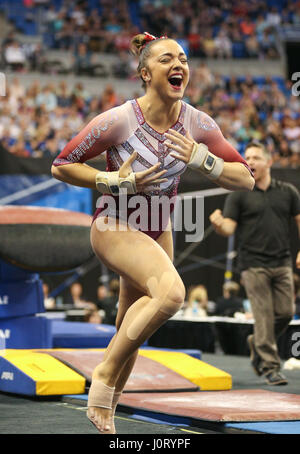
x: 149, y: 142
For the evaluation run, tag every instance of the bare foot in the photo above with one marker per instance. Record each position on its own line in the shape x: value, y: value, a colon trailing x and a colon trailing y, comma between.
x: 102, y: 419
x: 100, y: 405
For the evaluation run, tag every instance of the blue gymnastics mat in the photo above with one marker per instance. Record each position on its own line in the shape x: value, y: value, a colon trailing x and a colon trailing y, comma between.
x: 277, y: 427
x: 80, y: 334
x: 188, y: 351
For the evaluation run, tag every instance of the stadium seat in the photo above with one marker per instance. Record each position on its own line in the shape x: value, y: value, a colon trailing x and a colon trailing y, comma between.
x: 238, y: 50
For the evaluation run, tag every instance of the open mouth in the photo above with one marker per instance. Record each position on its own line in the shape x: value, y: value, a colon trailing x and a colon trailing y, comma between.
x: 176, y: 81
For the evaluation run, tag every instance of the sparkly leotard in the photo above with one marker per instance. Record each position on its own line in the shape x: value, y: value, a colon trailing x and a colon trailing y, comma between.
x: 123, y: 129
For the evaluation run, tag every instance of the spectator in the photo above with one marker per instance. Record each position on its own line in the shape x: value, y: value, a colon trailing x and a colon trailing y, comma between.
x: 273, y: 17
x: 230, y: 302
x: 37, y: 57
x: 17, y: 90
x: 122, y: 68
x: 49, y: 303
x: 92, y: 315
x: 107, y: 300
x: 195, y: 39
x: 47, y: 99
x: 209, y: 45
x: 267, y: 44
x: 223, y: 45
x: 252, y: 47
x: 83, y: 61
x: 247, y: 27
x: 63, y: 95
x: 108, y: 98
x: 102, y: 293
x: 78, y: 15
x: 197, y: 304
x: 14, y: 56
x: 76, y: 299
x: 284, y: 153
x: 291, y: 132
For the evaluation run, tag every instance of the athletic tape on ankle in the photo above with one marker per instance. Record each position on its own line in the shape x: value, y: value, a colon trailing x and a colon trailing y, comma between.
x: 201, y: 156
x: 115, y: 401
x: 100, y: 395
x: 159, y: 303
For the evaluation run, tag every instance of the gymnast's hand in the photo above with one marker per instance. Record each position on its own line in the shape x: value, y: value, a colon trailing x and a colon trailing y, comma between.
x: 183, y: 145
x: 143, y: 180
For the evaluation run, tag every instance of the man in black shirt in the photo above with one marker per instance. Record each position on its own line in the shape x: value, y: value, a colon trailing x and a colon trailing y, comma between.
x: 262, y: 221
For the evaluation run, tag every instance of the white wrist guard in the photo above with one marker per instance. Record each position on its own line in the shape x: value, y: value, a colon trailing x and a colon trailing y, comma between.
x: 112, y: 183
x: 203, y: 160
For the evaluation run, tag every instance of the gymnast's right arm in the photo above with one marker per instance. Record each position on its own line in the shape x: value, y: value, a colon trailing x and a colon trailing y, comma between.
x: 102, y: 132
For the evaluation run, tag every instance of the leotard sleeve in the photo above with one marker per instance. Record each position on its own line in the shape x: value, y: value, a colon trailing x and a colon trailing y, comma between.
x: 106, y: 129
x: 205, y: 130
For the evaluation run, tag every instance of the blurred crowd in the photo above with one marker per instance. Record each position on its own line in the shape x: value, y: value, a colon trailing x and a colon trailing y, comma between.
x: 205, y: 28
x: 251, y: 108
x: 230, y: 303
x: 38, y: 121
x: 103, y: 308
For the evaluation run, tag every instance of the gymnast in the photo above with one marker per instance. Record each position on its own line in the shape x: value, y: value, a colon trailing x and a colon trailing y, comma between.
x: 149, y: 142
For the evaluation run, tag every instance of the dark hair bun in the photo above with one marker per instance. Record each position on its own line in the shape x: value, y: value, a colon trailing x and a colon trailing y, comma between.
x: 137, y: 43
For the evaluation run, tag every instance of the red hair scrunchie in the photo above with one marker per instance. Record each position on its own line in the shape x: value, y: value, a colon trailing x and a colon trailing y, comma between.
x: 150, y: 38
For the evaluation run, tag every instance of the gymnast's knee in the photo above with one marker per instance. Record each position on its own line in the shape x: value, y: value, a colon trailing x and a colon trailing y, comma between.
x: 174, y: 300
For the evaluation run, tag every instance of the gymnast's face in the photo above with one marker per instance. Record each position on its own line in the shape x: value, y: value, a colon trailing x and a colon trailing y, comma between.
x: 167, y: 70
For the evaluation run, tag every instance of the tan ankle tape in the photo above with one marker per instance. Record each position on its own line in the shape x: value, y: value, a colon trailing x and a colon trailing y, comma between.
x: 100, y: 395
x: 116, y: 400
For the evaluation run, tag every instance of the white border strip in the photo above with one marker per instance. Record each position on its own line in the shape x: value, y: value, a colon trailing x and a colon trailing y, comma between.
x: 26, y: 192
x: 204, y: 193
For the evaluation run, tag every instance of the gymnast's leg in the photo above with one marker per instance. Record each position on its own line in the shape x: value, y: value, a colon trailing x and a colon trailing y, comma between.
x: 143, y: 263
x: 128, y: 295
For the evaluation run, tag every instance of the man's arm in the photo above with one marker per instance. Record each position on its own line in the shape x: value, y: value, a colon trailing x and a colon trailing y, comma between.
x: 223, y: 226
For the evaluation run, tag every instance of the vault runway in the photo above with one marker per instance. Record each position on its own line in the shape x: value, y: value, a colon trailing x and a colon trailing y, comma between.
x: 66, y: 414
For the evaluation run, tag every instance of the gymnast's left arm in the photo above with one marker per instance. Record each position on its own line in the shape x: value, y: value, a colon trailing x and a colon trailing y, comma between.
x: 214, y: 156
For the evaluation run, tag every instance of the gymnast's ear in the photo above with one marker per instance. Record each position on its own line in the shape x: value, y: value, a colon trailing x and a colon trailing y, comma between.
x: 145, y: 75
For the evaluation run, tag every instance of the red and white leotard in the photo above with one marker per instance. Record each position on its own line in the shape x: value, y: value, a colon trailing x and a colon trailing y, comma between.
x: 123, y: 129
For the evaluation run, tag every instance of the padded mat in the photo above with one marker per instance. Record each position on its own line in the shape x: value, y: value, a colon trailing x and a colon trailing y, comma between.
x: 48, y: 239
x: 42, y: 215
x: 147, y: 374
x: 207, y: 377
x: 67, y: 334
x: 32, y: 373
x: 222, y: 406
x: 276, y: 427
